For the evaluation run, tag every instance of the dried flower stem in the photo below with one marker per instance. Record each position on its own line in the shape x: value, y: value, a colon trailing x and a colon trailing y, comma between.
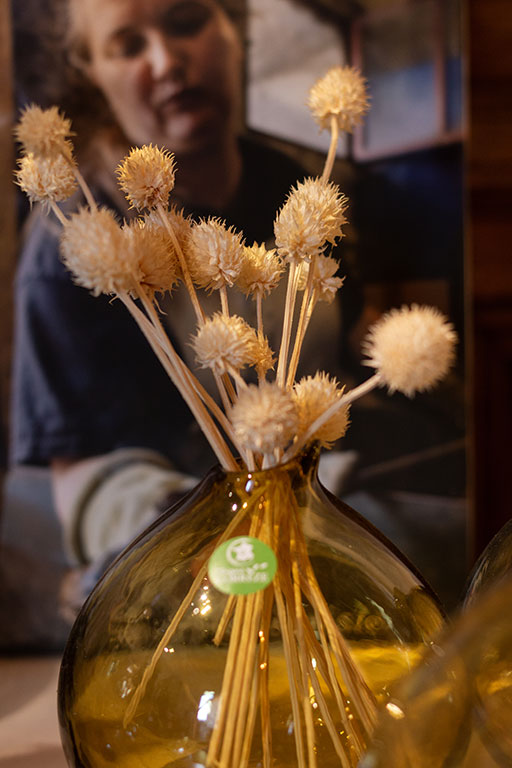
x: 172, y: 365
x: 304, y: 318
x: 58, y: 213
x: 259, y: 313
x: 291, y: 292
x: 185, y: 603
x: 91, y: 202
x: 183, y: 264
x: 346, y: 399
x: 224, y: 300
x: 329, y: 161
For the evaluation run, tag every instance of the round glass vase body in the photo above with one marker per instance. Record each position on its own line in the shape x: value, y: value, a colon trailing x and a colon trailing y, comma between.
x: 163, y: 669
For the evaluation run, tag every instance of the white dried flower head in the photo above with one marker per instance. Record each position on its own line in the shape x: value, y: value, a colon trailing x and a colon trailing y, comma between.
x: 46, y: 179
x: 152, y: 250
x: 261, y: 270
x: 214, y: 254
x: 44, y: 132
x: 324, y: 281
x: 265, y: 417
x: 93, y: 249
x: 223, y: 342
x: 146, y: 176
x: 341, y: 93
x: 311, y: 217
x: 314, y: 395
x: 412, y: 348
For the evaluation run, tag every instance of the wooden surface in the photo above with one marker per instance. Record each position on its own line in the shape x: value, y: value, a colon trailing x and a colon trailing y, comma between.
x: 489, y: 260
x: 29, y: 732
x: 7, y: 220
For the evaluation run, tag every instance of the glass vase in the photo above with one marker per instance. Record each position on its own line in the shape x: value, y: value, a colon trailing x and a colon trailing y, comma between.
x: 164, y: 669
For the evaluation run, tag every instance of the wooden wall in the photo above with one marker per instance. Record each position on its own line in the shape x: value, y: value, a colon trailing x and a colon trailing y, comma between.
x: 7, y: 220
x: 489, y: 249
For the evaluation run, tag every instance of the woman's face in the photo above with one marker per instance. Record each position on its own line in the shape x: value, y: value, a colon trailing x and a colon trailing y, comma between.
x: 169, y: 69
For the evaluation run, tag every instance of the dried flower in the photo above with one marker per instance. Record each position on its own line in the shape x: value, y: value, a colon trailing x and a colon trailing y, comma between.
x: 223, y: 342
x: 46, y: 180
x: 156, y: 257
x: 263, y: 357
x: 265, y: 418
x: 214, y: 254
x: 311, y: 217
x: 146, y: 176
x: 44, y: 132
x: 412, y: 348
x: 179, y: 223
x: 261, y: 270
x: 313, y: 395
x: 324, y: 281
x: 93, y: 249
x: 340, y: 93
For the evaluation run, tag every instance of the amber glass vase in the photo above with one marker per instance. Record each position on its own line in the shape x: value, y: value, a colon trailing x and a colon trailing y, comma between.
x: 162, y: 669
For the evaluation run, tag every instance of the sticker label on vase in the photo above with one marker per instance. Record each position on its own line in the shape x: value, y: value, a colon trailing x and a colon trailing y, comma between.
x: 242, y: 565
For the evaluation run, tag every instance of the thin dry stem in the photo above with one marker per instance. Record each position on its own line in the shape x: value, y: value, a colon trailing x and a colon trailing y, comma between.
x: 346, y: 399
x: 331, y: 155
x: 291, y: 292
x: 224, y: 300
x: 169, y: 632
x: 183, y: 264
x: 58, y: 213
x: 301, y: 325
x: 91, y: 202
x: 175, y: 372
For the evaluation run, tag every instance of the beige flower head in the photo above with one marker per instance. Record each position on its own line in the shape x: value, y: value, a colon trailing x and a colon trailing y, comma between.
x: 44, y: 132
x: 179, y: 223
x: 261, y: 271
x: 412, y: 348
x: 93, y: 248
x: 263, y: 357
x: 146, y: 176
x: 314, y: 395
x: 265, y: 418
x: 324, y: 282
x: 46, y: 179
x: 311, y: 217
x: 224, y: 342
x: 152, y: 250
x: 341, y: 93
x: 214, y: 254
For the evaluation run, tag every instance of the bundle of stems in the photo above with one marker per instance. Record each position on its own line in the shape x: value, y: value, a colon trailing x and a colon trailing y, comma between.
x: 267, y: 424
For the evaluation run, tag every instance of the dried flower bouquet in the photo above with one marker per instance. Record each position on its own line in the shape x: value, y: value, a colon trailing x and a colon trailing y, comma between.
x: 266, y: 424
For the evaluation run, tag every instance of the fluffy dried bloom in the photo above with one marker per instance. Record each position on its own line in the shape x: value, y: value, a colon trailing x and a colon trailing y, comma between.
x: 224, y: 341
x: 46, y: 179
x: 152, y: 250
x: 146, y: 176
x: 265, y: 417
x: 180, y: 224
x: 214, y: 254
x: 340, y: 93
x: 324, y: 281
x: 263, y: 357
x: 412, y: 348
x: 311, y: 217
x: 93, y: 248
x: 261, y: 270
x: 313, y: 395
x: 44, y: 132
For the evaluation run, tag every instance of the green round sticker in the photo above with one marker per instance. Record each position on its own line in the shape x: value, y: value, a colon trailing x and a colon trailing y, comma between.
x: 242, y: 565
